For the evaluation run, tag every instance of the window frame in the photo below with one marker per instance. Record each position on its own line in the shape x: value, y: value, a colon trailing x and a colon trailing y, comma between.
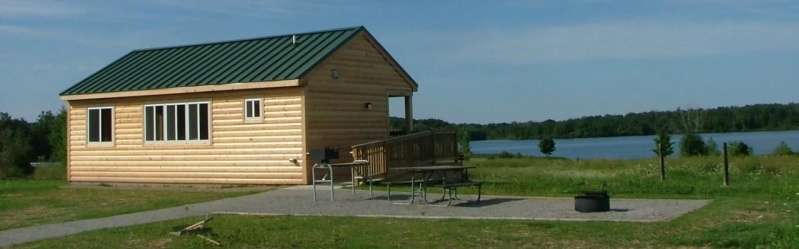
x: 260, y: 114
x: 165, y: 108
x: 100, y: 119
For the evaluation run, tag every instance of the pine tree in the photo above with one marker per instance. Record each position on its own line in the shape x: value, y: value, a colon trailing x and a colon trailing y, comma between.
x: 663, y: 142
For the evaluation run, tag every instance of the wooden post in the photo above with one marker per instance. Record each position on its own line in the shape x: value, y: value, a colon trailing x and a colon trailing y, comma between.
x: 69, y: 141
x: 726, y: 165
x: 408, y: 114
x: 433, y: 143
x: 662, y: 162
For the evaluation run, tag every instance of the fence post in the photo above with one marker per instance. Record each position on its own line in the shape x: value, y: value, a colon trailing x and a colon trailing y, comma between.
x: 726, y: 165
x: 662, y: 163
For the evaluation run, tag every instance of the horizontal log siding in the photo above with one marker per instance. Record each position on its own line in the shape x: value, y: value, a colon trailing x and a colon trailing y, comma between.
x: 335, y: 108
x: 240, y: 152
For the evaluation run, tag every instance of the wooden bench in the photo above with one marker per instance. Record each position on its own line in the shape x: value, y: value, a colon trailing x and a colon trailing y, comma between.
x: 449, y: 188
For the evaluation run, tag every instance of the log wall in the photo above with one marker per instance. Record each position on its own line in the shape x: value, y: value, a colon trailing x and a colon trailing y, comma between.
x: 239, y: 151
x: 336, y: 110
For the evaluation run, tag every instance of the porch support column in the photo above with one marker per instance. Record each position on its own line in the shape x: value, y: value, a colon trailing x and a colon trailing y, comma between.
x: 408, y: 114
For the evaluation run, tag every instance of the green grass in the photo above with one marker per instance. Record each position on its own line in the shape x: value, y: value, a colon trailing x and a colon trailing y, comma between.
x: 713, y: 226
x: 26, y: 203
x: 759, y: 209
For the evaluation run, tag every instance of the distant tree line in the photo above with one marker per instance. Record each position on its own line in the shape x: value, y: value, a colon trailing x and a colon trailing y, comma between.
x: 22, y: 142
x: 759, y: 117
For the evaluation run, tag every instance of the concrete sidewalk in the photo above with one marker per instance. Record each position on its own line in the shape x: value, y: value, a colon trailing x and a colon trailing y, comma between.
x: 299, y: 201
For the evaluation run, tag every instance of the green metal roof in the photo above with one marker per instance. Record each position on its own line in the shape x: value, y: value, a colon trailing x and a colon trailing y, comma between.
x: 251, y: 60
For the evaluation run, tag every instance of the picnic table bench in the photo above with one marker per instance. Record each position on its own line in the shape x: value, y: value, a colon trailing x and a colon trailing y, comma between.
x: 413, y: 182
x: 449, y: 185
x: 449, y: 188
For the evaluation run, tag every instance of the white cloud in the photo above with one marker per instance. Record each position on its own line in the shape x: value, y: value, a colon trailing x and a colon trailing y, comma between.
x: 14, y: 29
x: 29, y: 9
x: 623, y: 40
x: 258, y: 8
x: 127, y: 40
x: 247, y: 7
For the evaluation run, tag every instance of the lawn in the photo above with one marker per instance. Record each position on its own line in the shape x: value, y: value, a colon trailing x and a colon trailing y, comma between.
x: 727, y: 222
x: 759, y: 209
x: 26, y: 203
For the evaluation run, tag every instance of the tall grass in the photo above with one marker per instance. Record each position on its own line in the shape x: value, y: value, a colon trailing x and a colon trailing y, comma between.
x: 696, y: 177
x: 55, y: 172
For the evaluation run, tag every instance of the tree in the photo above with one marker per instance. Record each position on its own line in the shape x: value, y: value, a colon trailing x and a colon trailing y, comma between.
x: 40, y: 132
x: 691, y: 144
x: 783, y: 150
x: 690, y: 120
x: 463, y: 142
x: 15, y: 148
x: 761, y: 117
x: 547, y: 146
x: 58, y: 138
x: 663, y: 143
x: 739, y: 148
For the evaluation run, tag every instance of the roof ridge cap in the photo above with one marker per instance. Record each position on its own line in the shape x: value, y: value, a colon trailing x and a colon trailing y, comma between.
x: 246, y: 39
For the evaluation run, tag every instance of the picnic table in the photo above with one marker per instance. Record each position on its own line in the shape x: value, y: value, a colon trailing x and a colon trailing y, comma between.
x: 352, y: 166
x: 450, y: 184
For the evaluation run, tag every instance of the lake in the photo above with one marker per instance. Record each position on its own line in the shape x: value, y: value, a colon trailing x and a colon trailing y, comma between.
x: 632, y: 147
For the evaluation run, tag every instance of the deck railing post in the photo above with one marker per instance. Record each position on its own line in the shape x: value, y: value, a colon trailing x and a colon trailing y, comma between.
x: 433, y: 147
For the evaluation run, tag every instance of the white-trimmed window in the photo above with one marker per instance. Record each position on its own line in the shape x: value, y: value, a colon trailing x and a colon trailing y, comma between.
x: 252, y: 109
x: 100, y: 124
x: 177, y: 122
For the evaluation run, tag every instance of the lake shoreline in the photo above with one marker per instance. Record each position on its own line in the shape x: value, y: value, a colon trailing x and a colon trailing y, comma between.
x: 631, y: 147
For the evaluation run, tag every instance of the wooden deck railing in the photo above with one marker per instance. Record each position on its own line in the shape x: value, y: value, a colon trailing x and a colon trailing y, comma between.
x: 422, y: 148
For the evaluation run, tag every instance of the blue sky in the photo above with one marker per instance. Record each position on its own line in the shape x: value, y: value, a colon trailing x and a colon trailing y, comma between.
x: 475, y: 61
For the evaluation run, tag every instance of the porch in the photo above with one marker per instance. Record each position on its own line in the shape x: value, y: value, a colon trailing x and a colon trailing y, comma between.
x: 423, y: 148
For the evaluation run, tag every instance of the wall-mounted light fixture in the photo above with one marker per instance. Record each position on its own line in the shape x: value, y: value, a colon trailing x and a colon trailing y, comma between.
x: 335, y: 74
x: 368, y: 105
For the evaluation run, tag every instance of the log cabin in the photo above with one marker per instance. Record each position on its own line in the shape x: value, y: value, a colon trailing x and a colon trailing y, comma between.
x: 239, y: 112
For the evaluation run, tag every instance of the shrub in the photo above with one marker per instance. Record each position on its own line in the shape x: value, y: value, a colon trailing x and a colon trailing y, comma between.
x: 55, y: 172
x: 750, y: 165
x: 783, y: 150
x: 712, y: 148
x: 739, y: 148
x: 504, y: 154
x: 691, y: 144
x: 14, y: 153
